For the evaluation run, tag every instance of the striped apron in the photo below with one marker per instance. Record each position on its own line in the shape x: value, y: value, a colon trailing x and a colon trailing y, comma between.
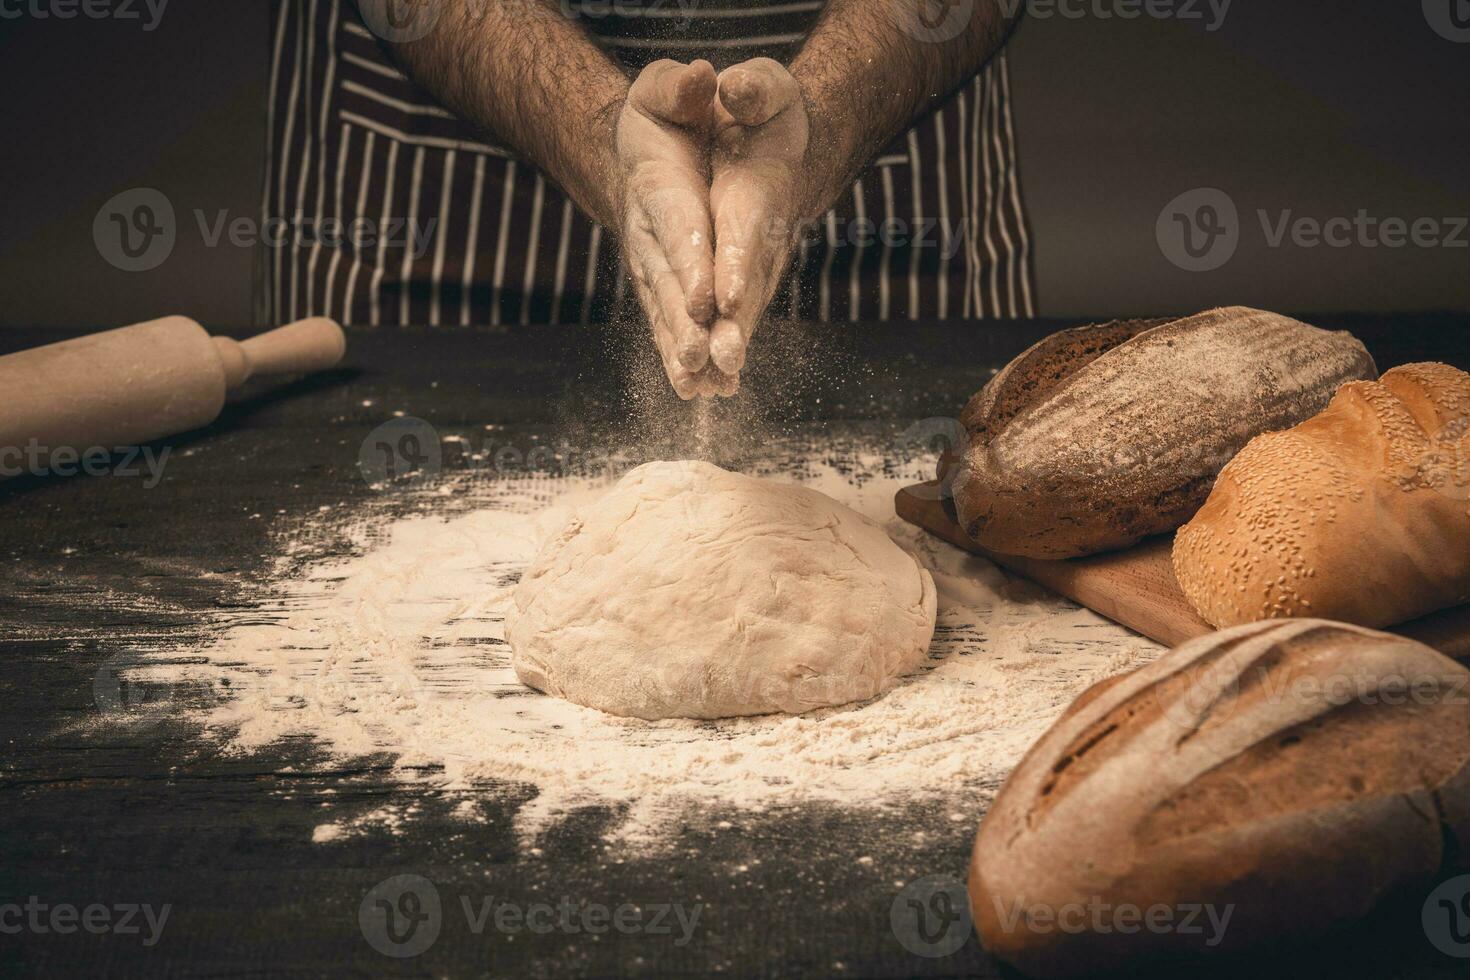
x: 394, y: 212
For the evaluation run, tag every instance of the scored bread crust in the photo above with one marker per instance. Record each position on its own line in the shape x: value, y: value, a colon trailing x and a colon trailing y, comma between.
x: 1032, y: 376
x: 1361, y: 513
x: 1278, y: 769
x: 1099, y: 437
x: 1041, y: 369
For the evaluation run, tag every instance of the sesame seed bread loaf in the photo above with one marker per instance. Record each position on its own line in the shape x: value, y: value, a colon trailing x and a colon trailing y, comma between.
x: 1099, y: 437
x: 1360, y: 514
x: 1268, y: 782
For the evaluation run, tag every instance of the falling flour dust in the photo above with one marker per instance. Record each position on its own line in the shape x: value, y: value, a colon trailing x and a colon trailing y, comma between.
x: 399, y: 651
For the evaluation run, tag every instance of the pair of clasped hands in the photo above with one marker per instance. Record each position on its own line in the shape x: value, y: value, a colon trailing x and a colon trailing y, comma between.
x: 712, y: 194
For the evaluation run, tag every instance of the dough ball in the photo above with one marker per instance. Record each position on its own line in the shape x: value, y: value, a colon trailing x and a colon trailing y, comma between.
x: 691, y: 592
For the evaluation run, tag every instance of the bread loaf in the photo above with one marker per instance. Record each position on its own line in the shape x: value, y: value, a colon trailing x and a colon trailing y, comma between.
x: 1099, y: 437
x: 1264, y: 783
x: 1359, y: 514
x: 1031, y: 377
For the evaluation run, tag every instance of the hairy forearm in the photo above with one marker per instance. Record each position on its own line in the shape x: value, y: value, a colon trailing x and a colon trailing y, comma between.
x: 532, y: 78
x: 866, y: 79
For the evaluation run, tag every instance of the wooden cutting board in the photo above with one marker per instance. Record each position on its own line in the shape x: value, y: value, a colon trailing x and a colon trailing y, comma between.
x: 1136, y: 588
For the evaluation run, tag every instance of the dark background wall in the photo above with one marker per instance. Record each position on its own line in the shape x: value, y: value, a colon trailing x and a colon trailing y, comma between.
x: 1317, y: 108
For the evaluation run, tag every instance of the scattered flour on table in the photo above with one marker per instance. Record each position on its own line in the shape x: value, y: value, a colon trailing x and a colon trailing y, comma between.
x: 399, y: 651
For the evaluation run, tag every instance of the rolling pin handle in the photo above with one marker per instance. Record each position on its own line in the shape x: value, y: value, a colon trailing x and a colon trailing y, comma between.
x: 232, y: 359
x: 299, y: 348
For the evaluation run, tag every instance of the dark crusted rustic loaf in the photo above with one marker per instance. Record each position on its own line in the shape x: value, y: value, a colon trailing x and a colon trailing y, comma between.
x: 1099, y: 437
x: 1295, y: 772
x: 1032, y: 375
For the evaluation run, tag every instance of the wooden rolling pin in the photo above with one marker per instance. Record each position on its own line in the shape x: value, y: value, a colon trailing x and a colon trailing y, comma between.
x: 130, y: 386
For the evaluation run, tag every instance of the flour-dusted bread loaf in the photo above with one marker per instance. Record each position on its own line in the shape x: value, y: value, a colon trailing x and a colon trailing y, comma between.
x: 1099, y: 437
x: 1031, y: 377
x: 1265, y: 783
x: 1359, y: 514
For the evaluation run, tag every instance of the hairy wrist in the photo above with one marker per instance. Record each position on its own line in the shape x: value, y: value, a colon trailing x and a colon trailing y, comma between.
x: 601, y: 174
x: 834, y: 154
x: 536, y: 83
x: 866, y: 76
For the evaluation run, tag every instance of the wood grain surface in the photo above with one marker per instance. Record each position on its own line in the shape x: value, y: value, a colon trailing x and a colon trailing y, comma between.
x: 1136, y: 587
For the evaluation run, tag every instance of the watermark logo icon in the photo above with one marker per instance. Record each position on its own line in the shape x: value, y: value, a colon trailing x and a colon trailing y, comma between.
x: 943, y: 440
x: 1199, y: 230
x: 136, y: 230
x: 120, y: 695
x: 403, y: 450
x: 934, y: 21
x: 1449, y: 18
x: 1444, y: 465
x: 401, y: 916
x: 1207, y: 691
x: 931, y: 917
x: 1446, y: 917
x: 934, y: 435
x: 401, y: 21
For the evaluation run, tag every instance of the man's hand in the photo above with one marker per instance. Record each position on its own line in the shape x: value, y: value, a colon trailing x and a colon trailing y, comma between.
x: 663, y: 134
x: 713, y: 195
x: 758, y: 198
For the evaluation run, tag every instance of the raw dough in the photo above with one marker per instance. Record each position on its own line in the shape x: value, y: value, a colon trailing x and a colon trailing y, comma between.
x: 691, y: 592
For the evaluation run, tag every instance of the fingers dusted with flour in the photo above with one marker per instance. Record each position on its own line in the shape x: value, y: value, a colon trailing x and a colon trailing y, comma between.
x: 662, y: 138
x: 670, y: 177
x: 659, y: 294
x: 675, y: 92
x: 753, y: 92
x: 669, y: 335
x: 761, y: 137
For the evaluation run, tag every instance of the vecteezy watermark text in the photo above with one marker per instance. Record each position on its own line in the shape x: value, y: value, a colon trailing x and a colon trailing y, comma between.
x: 1363, y: 230
x: 1100, y: 917
x: 1201, y: 230
x: 62, y: 918
x: 147, y: 12
x: 942, y: 21
x: 1210, y: 691
x: 931, y: 917
x: 403, y: 916
x: 362, y: 233
x: 34, y: 459
x: 137, y: 230
x: 676, y: 14
x: 1211, y: 13
x: 408, y: 450
x: 572, y: 917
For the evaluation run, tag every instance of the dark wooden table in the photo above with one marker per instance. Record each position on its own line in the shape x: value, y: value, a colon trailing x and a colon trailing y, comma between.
x: 93, y: 812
